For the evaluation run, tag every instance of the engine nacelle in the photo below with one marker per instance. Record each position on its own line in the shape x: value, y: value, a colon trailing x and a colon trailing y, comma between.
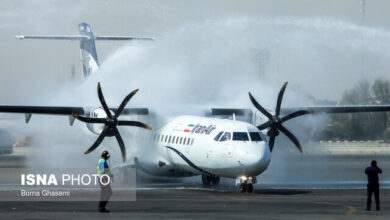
x: 97, y: 113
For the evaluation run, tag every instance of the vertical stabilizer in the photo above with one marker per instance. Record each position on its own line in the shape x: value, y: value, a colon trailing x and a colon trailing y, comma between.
x: 89, y: 59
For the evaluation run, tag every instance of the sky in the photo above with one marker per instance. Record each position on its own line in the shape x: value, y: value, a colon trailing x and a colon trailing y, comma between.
x: 321, y: 47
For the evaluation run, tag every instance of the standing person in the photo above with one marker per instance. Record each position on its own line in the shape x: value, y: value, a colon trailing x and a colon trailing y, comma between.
x: 105, y: 188
x: 373, y: 184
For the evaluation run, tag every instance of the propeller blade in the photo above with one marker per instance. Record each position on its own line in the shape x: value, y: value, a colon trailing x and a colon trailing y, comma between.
x: 271, y: 143
x: 296, y: 114
x: 265, y: 125
x: 98, y: 141
x: 124, y: 102
x: 291, y: 137
x: 121, y: 144
x: 89, y: 119
x: 259, y: 107
x: 102, y: 101
x: 134, y: 123
x: 280, y: 98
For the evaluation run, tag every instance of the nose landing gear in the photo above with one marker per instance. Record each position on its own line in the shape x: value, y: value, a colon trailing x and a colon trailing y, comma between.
x: 246, y: 184
x: 246, y: 187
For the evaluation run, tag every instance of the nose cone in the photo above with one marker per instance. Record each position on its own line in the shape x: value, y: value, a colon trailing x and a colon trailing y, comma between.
x: 254, y: 157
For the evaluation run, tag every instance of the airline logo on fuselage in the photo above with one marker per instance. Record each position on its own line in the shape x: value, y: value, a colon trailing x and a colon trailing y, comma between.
x: 200, y: 129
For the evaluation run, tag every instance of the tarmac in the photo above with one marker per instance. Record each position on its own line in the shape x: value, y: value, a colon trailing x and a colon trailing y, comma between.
x: 289, y: 189
x: 182, y: 203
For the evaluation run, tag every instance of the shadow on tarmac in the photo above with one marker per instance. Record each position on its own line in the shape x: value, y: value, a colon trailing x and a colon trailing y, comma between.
x: 281, y: 192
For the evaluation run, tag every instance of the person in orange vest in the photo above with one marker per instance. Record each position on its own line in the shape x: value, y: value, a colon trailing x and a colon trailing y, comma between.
x: 105, y: 178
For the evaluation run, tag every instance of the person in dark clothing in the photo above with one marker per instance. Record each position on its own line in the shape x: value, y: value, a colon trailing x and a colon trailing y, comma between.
x: 373, y: 184
x: 106, y: 175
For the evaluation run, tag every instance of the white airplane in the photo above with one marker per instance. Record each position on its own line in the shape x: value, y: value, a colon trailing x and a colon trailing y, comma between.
x: 197, y: 145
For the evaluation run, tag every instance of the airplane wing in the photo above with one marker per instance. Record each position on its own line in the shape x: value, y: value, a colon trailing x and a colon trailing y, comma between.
x: 339, y: 109
x: 246, y: 114
x: 313, y: 109
x: 82, y: 114
x: 64, y: 111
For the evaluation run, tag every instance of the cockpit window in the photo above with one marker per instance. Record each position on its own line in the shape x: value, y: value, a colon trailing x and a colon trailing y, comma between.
x: 226, y: 137
x: 218, y: 136
x: 255, y: 136
x: 240, y: 136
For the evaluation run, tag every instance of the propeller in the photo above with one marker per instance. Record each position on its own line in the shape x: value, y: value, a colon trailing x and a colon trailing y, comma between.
x: 275, y: 122
x: 111, y: 122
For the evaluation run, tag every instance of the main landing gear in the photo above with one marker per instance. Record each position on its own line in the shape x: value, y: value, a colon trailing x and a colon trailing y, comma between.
x: 210, y: 180
x: 246, y: 184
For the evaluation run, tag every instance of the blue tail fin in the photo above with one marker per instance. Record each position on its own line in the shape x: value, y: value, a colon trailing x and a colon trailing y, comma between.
x: 88, y: 53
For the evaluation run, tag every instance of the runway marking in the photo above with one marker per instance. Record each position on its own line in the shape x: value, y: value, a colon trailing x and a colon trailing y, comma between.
x: 350, y: 210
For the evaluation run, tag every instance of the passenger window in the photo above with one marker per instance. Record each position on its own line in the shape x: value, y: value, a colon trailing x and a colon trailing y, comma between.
x: 226, y: 137
x: 181, y: 140
x: 169, y: 140
x: 255, y: 136
x: 218, y: 136
x: 184, y: 141
x: 162, y: 138
x: 166, y: 138
x: 173, y: 140
x: 192, y: 141
x: 188, y: 141
x: 240, y: 136
x: 177, y: 140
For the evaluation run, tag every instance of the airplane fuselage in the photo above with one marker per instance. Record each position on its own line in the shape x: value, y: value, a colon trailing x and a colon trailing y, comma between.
x: 193, y: 145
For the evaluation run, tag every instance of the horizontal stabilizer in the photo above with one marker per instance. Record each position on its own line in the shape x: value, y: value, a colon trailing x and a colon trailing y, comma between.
x: 52, y: 37
x: 121, y: 38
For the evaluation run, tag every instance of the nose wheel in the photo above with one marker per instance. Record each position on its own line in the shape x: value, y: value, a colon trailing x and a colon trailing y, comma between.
x: 246, y: 187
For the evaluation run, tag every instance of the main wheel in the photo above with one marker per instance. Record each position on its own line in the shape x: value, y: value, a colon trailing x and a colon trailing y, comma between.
x: 215, y: 180
x: 249, y: 188
x: 206, y: 180
x: 242, y: 187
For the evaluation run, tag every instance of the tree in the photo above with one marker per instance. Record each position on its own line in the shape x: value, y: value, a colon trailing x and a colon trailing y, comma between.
x: 361, y: 126
x: 381, y: 90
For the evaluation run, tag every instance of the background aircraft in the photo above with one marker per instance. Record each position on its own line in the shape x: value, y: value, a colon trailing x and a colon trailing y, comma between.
x: 89, y: 58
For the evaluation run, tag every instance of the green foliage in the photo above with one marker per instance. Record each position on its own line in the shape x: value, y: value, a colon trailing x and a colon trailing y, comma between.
x: 361, y: 126
x: 381, y: 89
